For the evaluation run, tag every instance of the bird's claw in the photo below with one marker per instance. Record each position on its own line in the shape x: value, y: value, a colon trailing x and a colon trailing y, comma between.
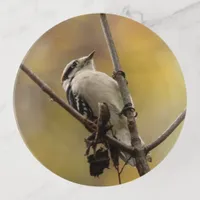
x: 128, y: 106
x: 119, y: 72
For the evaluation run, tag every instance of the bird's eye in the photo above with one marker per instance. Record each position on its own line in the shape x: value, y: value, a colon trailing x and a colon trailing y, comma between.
x: 75, y: 63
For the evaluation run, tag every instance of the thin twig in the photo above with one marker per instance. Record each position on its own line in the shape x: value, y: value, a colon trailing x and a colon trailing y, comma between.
x: 124, y: 165
x: 110, y: 42
x: 91, y: 126
x: 118, y: 174
x: 73, y: 112
x: 167, y: 132
x: 141, y: 162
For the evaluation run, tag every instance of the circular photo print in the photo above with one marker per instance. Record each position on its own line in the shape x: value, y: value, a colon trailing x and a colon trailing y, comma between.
x: 100, y: 100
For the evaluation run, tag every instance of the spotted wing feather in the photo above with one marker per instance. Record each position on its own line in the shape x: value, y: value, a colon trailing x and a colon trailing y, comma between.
x: 79, y: 104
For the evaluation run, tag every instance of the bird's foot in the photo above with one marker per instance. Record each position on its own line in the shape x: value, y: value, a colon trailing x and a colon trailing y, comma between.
x: 120, y: 72
x: 128, y: 106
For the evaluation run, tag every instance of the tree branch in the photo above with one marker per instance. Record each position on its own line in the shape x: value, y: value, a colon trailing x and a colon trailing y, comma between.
x: 132, y: 151
x: 141, y: 162
x: 167, y: 133
x: 137, y: 150
x: 120, y: 145
x: 90, y: 125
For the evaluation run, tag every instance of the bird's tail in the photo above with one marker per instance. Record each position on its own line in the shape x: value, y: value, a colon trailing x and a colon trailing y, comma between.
x: 124, y: 136
x: 127, y: 158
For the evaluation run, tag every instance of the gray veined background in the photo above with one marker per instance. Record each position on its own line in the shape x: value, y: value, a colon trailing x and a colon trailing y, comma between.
x: 154, y: 80
x: 22, y: 22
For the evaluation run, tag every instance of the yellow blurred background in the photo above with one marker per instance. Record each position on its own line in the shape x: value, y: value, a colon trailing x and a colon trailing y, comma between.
x: 155, y: 82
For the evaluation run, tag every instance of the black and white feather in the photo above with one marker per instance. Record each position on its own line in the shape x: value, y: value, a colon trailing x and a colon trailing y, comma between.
x: 86, y: 87
x: 79, y: 104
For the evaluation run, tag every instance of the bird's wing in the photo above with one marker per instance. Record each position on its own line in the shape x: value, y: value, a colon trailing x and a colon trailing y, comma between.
x: 97, y: 87
x: 79, y: 103
x: 71, y: 98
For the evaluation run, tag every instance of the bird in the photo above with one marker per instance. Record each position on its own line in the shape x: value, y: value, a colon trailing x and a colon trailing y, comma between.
x: 85, y: 87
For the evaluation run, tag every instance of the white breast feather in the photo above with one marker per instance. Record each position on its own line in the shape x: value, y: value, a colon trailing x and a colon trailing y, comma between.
x: 97, y: 87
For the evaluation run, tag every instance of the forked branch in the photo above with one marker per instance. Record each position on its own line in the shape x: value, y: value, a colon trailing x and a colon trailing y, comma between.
x: 91, y: 125
x: 167, y: 132
x: 136, y: 150
x: 141, y: 162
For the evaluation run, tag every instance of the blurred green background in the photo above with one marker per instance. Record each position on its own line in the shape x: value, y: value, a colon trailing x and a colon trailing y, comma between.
x: 155, y: 82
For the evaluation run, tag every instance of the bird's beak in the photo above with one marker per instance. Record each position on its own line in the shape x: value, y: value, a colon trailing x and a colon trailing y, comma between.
x: 90, y: 56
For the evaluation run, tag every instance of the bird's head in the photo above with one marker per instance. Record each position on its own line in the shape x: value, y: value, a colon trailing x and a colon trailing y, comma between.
x: 77, y: 65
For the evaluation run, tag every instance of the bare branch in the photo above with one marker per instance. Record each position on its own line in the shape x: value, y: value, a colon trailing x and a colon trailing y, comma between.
x: 124, y: 165
x: 110, y: 42
x: 167, y: 133
x: 120, y: 145
x: 137, y: 150
x: 90, y: 125
x: 141, y: 162
x: 118, y: 174
x: 72, y: 111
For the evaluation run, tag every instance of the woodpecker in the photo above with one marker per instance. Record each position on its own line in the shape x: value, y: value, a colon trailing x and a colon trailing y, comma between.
x: 85, y: 87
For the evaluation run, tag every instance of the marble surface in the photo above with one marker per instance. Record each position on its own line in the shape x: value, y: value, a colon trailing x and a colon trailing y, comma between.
x: 22, y: 177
